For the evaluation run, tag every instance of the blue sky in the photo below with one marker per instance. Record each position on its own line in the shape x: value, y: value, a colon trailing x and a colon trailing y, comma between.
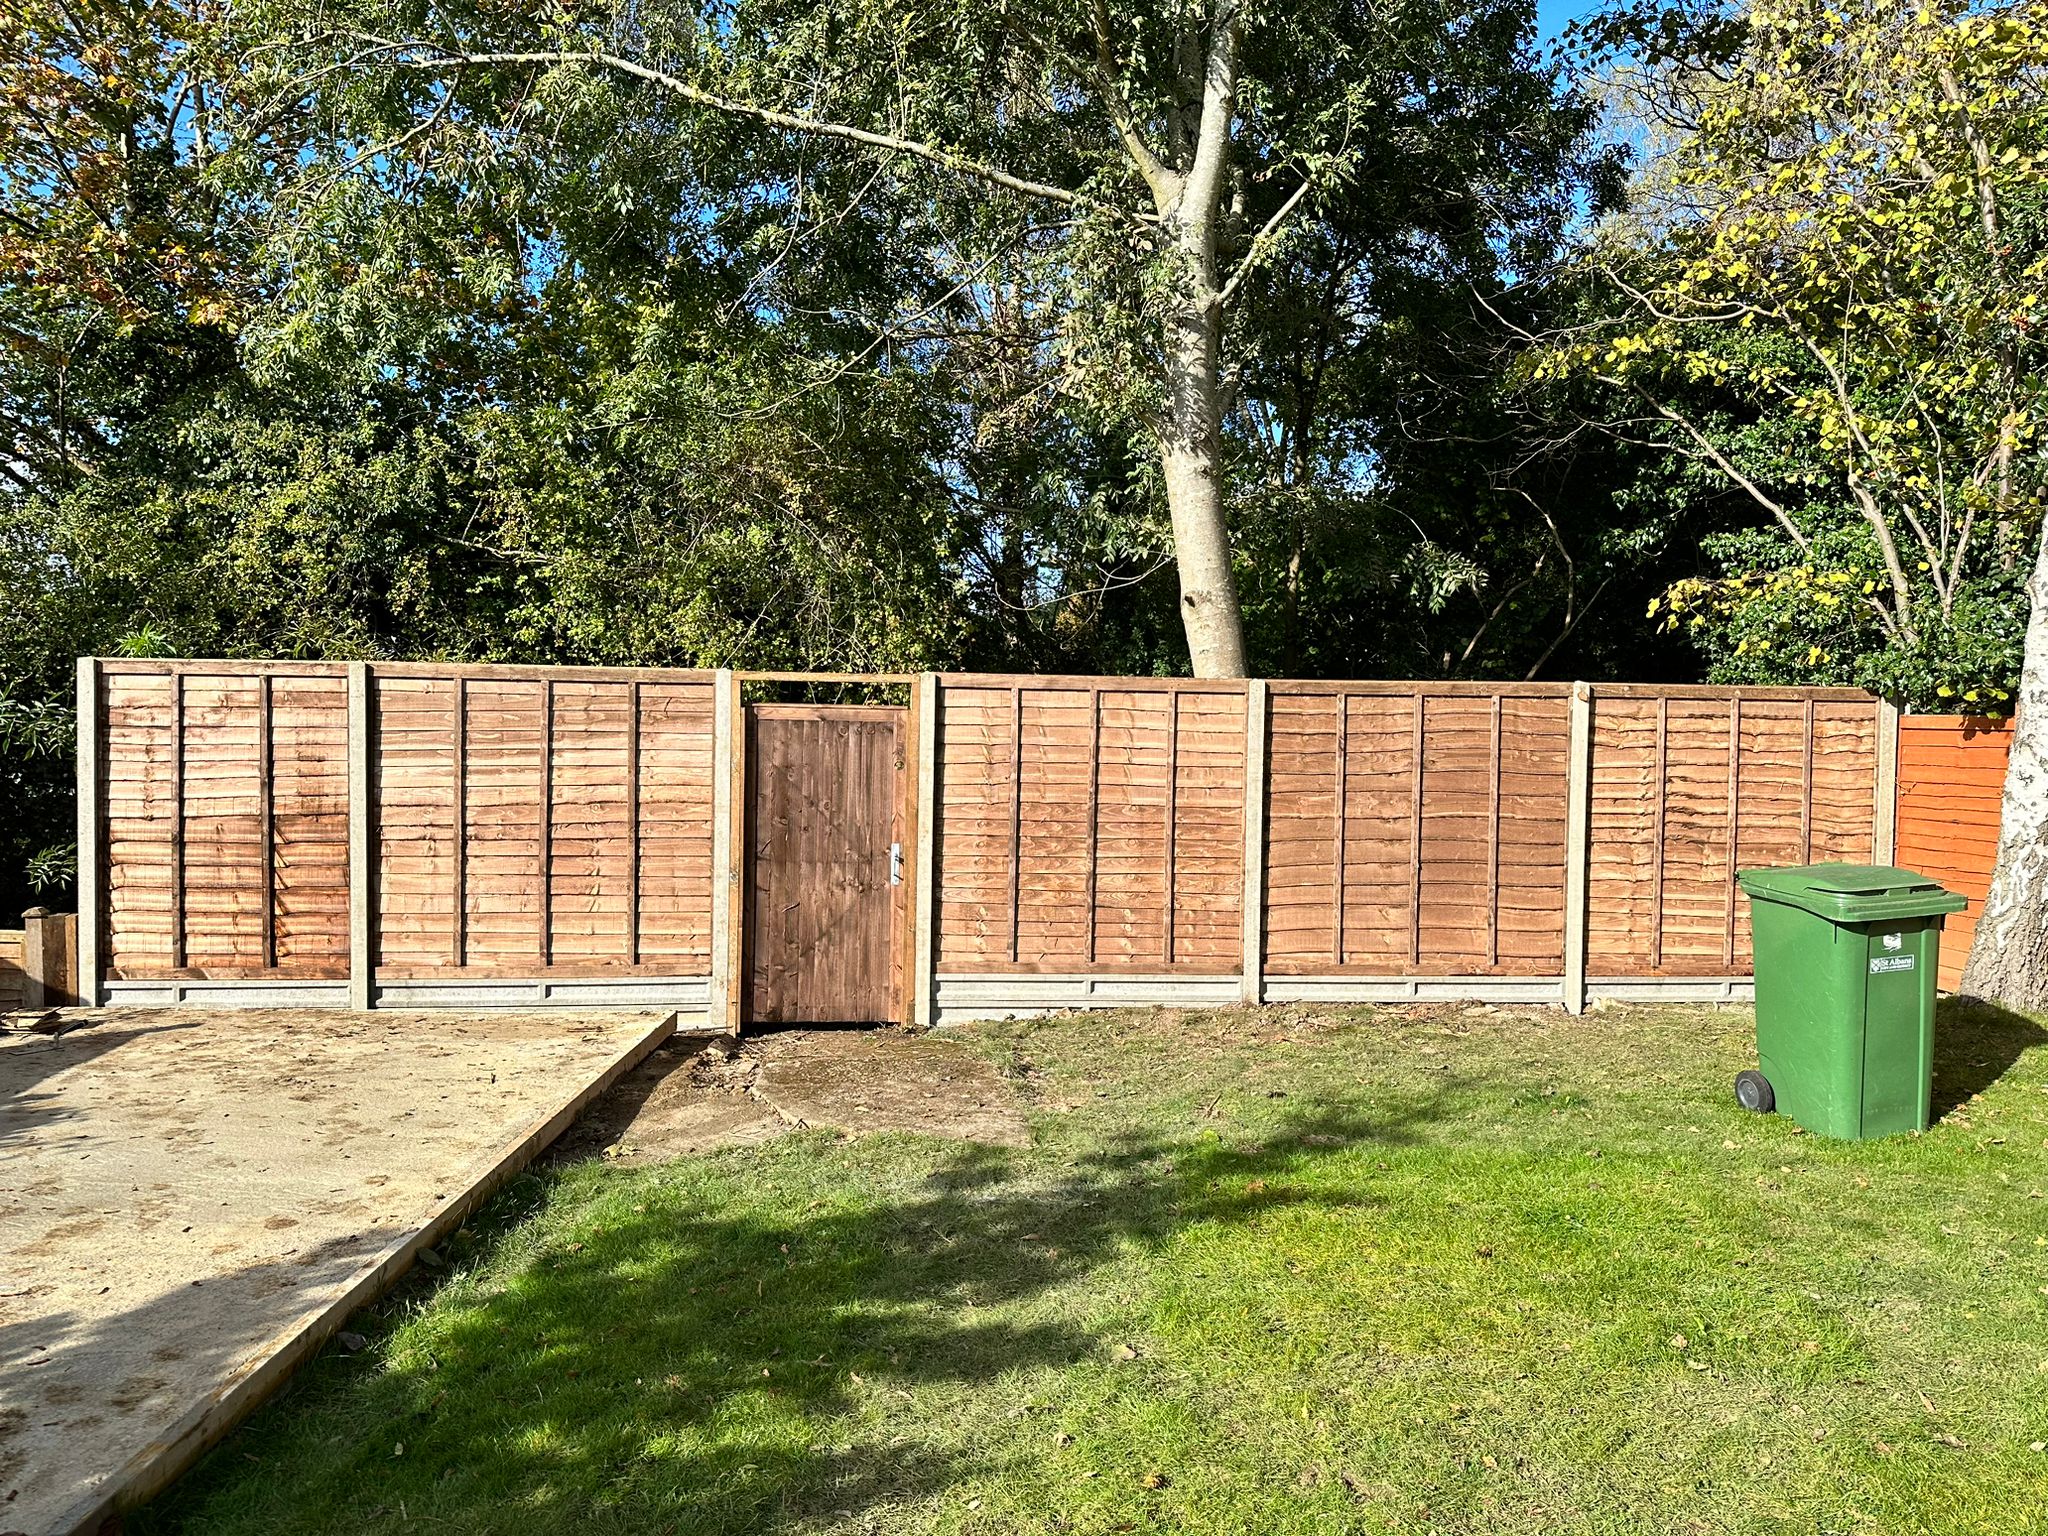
x: 1551, y: 15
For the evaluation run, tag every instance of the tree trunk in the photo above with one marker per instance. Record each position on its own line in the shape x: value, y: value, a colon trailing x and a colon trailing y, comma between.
x: 1191, y: 414
x: 2009, y: 958
x: 1191, y: 454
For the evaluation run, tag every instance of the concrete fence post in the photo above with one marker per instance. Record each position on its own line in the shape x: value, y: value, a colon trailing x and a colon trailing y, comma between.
x: 1577, y: 816
x: 91, y: 856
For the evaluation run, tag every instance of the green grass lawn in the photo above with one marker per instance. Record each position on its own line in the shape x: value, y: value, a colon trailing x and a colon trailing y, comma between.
x: 1296, y: 1270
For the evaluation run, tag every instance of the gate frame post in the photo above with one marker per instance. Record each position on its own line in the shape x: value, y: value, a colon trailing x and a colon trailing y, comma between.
x: 1578, y: 782
x: 924, y: 863
x: 1252, y: 987
x: 728, y: 834
x: 91, y: 875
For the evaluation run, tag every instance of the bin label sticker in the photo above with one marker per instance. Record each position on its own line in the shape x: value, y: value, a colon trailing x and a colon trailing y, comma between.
x: 1895, y: 941
x: 1879, y: 964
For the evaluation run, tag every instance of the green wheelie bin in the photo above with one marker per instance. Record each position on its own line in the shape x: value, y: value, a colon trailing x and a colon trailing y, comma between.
x: 1846, y: 957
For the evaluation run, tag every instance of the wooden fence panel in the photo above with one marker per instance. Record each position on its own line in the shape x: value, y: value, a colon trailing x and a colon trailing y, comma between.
x: 1529, y: 900
x: 13, y: 974
x: 1689, y: 786
x: 1205, y: 866
x: 980, y: 739
x: 140, y: 821
x: 223, y: 796
x: 224, y: 806
x: 526, y: 823
x: 1416, y: 832
x: 1951, y: 789
x: 584, y: 809
x: 672, y: 827
x: 1089, y: 825
x: 1057, y: 826
x: 309, y: 825
x: 39, y: 961
x: 1133, y: 831
x: 420, y: 738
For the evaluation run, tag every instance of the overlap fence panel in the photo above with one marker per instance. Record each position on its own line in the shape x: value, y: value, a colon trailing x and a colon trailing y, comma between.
x: 1416, y: 830
x: 1691, y: 785
x: 226, y: 822
x: 13, y: 973
x: 1951, y: 785
x: 1089, y: 826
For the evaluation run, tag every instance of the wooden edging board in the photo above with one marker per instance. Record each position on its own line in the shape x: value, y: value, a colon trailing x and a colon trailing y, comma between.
x: 152, y: 1470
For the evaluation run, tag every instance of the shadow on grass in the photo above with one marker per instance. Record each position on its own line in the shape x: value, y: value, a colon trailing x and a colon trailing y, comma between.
x: 1975, y: 1044
x: 716, y: 1366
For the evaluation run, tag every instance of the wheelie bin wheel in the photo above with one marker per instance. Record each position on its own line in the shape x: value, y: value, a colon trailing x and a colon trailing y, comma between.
x: 1753, y: 1092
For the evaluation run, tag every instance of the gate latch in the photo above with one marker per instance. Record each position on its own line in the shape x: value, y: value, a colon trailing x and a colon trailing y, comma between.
x: 895, y: 863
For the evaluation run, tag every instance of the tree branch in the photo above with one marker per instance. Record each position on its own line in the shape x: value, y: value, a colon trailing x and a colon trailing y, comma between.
x: 408, y: 55
x: 1219, y: 106
x: 1163, y: 182
x: 1260, y: 242
x: 1717, y: 458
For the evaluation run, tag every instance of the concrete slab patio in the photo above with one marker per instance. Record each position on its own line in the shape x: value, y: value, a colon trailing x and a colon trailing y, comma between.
x: 192, y: 1201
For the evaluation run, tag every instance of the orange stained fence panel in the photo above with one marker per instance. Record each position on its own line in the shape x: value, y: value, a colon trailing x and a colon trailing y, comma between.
x: 1951, y: 779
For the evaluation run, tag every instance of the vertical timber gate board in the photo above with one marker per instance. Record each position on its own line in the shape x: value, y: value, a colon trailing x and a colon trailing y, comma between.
x: 825, y: 831
x: 546, y: 834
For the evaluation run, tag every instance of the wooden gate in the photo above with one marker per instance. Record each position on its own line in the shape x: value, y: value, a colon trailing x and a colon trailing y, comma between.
x: 825, y: 862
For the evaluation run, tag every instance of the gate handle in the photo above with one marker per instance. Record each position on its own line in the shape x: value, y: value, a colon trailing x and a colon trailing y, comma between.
x: 895, y: 863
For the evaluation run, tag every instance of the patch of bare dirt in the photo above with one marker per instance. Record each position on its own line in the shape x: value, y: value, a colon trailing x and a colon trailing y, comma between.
x: 694, y: 1096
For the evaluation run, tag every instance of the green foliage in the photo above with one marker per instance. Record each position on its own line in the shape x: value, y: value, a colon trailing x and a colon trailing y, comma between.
x: 1810, y: 624
x: 543, y: 364
x: 1829, y: 291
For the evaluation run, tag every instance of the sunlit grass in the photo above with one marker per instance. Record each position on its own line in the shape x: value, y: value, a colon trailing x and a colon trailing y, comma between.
x: 1292, y: 1271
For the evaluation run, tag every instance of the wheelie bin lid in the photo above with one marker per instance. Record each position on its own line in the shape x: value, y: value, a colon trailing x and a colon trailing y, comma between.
x: 1852, y: 893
